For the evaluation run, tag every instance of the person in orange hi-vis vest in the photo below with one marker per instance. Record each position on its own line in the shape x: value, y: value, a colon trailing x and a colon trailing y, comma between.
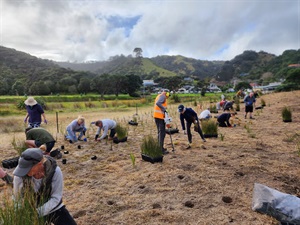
x: 160, y: 108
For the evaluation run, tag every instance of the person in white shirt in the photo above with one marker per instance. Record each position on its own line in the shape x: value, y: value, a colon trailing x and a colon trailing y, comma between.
x: 105, y: 125
x: 205, y: 114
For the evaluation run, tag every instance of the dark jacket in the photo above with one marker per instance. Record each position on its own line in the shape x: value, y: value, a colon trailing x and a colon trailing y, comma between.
x: 189, y: 115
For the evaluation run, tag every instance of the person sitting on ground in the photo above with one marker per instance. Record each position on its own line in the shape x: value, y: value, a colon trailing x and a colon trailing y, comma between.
x: 223, y: 119
x: 6, y: 177
x: 190, y: 116
x: 41, y: 174
x: 105, y: 125
x: 35, y: 137
x: 228, y: 105
x: 76, y: 126
x: 35, y: 113
x: 205, y: 114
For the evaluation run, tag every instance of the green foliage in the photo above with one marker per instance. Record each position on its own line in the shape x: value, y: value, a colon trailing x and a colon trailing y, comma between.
x: 121, y: 131
x: 18, y: 145
x: 150, y: 147
x: 132, y: 157
x: 209, y: 127
x: 286, y: 113
x: 21, y: 212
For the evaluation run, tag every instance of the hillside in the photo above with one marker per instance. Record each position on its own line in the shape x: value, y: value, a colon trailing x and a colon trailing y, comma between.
x: 209, y: 184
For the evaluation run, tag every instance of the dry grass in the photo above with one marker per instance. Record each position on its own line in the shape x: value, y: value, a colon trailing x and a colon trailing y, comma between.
x: 188, y: 187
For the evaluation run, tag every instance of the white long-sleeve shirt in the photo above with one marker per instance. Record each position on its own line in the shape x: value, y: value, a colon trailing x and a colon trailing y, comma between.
x: 107, y: 124
x: 56, y: 192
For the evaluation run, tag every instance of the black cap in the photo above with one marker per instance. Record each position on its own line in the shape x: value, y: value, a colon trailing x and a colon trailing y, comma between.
x: 180, y: 108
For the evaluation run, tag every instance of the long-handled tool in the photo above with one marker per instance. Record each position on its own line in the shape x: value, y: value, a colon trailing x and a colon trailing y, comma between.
x: 168, y: 120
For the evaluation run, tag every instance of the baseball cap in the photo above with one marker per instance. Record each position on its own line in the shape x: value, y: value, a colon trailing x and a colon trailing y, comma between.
x: 28, y: 159
x: 180, y: 108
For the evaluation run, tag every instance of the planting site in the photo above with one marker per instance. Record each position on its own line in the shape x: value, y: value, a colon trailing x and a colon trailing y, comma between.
x: 210, y: 183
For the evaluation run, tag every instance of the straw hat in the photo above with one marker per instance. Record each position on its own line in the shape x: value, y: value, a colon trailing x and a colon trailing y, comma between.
x: 30, y: 101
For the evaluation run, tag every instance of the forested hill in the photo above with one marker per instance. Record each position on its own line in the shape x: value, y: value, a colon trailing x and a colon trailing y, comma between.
x: 22, y: 73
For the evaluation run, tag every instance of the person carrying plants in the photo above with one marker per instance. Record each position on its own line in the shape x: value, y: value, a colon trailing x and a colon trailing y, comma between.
x: 249, y: 101
x: 76, y: 126
x: 40, y: 174
x: 160, y: 111
x: 6, y: 177
x: 105, y: 125
x: 35, y: 113
x: 223, y: 119
x: 190, y: 116
x: 35, y: 137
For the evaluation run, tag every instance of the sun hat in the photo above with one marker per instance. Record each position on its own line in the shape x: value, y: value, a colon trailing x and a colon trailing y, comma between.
x: 28, y: 159
x: 180, y: 108
x: 30, y: 101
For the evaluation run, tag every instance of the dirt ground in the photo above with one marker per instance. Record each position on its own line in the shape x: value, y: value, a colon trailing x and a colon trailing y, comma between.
x: 191, y: 185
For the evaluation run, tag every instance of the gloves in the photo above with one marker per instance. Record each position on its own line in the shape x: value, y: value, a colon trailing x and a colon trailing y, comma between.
x: 96, y: 137
x: 166, y: 111
x: 45, y: 121
x: 83, y: 132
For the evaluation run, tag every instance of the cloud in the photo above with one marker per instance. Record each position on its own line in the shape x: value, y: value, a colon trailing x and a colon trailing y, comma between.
x: 83, y: 30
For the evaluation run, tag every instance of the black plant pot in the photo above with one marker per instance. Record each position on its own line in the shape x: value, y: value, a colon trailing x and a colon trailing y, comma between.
x: 259, y: 107
x: 172, y: 131
x: 117, y: 141
x: 131, y: 122
x: 10, y: 163
x: 287, y: 121
x: 210, y: 135
x: 152, y: 159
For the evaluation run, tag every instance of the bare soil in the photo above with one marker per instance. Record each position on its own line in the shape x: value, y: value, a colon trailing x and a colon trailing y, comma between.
x: 211, y: 183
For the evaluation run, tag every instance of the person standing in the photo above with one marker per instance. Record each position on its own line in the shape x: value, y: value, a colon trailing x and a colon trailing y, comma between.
x: 160, y: 109
x: 40, y: 173
x: 105, y: 125
x: 35, y: 137
x: 76, y: 126
x: 190, y: 116
x: 34, y: 114
x: 249, y: 101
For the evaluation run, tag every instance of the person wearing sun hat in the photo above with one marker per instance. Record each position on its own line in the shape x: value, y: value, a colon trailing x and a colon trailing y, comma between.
x: 35, y: 113
x: 39, y: 173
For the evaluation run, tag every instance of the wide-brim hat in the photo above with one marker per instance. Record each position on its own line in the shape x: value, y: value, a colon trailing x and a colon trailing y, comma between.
x: 28, y: 159
x: 30, y: 101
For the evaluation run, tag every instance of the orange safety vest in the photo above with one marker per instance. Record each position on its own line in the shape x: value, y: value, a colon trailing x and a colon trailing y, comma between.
x: 158, y: 113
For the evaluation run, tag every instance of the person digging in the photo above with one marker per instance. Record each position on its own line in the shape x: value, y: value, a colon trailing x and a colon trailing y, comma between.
x: 190, y: 116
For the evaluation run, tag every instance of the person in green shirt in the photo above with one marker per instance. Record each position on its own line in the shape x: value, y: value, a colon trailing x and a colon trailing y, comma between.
x: 35, y: 137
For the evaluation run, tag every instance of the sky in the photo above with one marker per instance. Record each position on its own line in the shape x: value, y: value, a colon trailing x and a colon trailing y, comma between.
x: 95, y: 30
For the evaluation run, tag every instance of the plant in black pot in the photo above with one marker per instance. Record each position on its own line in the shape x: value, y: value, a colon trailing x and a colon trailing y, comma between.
x: 286, y: 114
x: 237, y: 104
x: 121, y: 134
x: 209, y: 128
x: 150, y: 150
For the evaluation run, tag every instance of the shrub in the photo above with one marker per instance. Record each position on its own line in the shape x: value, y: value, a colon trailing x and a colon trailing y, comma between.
x: 262, y: 102
x: 150, y: 147
x: 209, y: 127
x: 286, y: 114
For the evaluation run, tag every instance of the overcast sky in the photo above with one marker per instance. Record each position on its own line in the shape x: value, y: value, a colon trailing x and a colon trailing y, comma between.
x: 78, y: 30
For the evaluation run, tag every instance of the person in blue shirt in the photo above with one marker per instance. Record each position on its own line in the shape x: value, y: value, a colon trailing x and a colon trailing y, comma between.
x: 76, y: 126
x: 34, y: 114
x: 190, y: 116
x: 249, y: 101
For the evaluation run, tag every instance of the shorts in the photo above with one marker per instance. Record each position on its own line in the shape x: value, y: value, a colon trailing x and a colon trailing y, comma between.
x: 249, y: 108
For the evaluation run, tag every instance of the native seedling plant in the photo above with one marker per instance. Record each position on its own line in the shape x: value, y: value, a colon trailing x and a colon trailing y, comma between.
x: 121, y: 131
x: 286, y: 114
x: 209, y: 127
x: 150, y: 147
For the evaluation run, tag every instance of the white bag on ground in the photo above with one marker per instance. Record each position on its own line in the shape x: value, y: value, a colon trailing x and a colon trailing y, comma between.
x: 283, y: 207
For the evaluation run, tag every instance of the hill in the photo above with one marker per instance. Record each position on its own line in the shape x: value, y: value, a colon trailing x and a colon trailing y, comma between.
x: 21, y: 73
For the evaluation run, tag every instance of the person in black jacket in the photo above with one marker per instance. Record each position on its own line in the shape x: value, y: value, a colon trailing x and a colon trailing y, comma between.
x: 190, y: 116
x: 223, y: 119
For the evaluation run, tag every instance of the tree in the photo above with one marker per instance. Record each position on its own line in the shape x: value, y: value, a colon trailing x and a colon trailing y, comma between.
x: 102, y: 84
x: 132, y: 83
x: 84, y: 85
x: 242, y: 85
x: 18, y: 88
x: 138, y: 52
